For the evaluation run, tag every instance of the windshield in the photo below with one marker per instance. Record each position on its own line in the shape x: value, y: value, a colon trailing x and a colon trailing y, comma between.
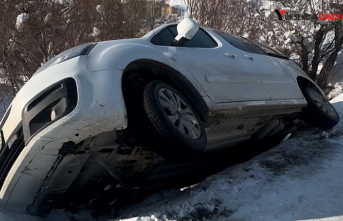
x: 268, y: 50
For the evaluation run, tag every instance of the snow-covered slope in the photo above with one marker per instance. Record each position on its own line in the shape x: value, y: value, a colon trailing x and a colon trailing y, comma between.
x: 298, y: 180
x: 301, y: 179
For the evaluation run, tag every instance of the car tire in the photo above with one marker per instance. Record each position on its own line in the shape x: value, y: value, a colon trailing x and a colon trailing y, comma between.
x: 319, y: 111
x: 177, y: 131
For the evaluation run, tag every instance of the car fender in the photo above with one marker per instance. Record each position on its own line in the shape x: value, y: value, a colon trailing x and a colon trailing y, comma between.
x: 304, y: 75
x: 119, y: 56
x: 107, y: 56
x: 295, y: 71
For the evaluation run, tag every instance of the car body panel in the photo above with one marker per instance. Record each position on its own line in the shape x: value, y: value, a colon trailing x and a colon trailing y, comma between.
x: 229, y: 125
x: 224, y: 79
x: 100, y: 108
x: 272, y: 77
x: 246, y: 86
x: 295, y: 71
x: 105, y: 53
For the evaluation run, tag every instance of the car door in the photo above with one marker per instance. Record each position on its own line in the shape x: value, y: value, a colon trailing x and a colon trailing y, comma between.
x: 259, y: 60
x: 219, y: 69
x: 279, y: 83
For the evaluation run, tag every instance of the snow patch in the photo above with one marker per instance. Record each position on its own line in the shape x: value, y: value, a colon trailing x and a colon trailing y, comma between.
x: 245, y: 35
x: 267, y: 14
x: 21, y: 19
x: 100, y: 9
x: 47, y: 17
x: 96, y: 32
x: 336, y: 91
x: 288, y: 34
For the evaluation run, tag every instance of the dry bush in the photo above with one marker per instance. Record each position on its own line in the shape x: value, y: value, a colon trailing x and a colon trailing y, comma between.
x: 54, y: 26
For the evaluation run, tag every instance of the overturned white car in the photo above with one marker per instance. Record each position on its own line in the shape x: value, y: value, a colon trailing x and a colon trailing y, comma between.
x: 111, y: 111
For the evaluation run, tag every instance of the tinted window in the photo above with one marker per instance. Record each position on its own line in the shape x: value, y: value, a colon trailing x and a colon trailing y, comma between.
x: 200, y: 40
x: 267, y: 49
x: 240, y: 43
x: 164, y: 37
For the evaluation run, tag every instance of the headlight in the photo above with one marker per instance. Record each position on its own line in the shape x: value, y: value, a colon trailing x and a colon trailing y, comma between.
x: 68, y: 54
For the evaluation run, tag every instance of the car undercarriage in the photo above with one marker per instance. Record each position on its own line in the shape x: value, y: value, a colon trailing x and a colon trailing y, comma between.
x: 102, y: 172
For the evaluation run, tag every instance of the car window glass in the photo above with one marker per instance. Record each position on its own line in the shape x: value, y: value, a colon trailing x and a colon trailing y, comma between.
x: 164, y: 37
x: 200, y: 40
x: 240, y: 43
x: 270, y: 51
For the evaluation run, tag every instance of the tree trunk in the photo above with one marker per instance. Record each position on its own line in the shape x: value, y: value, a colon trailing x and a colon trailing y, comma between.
x: 327, y: 68
x: 304, y: 58
x: 318, y: 38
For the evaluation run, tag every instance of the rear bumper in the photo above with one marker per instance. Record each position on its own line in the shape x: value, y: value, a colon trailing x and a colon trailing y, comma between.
x: 99, y: 107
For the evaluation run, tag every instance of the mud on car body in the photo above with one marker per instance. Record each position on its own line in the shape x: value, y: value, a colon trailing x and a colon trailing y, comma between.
x: 111, y: 112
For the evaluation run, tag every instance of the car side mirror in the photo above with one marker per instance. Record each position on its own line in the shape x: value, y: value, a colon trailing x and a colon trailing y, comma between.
x: 186, y: 30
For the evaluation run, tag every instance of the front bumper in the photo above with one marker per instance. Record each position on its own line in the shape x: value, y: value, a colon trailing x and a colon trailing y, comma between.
x: 50, y: 105
x: 99, y: 107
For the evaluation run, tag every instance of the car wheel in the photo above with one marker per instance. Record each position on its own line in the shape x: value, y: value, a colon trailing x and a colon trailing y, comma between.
x: 319, y: 111
x: 177, y: 130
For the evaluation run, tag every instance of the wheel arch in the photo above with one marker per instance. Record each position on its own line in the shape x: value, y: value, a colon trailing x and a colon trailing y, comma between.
x: 305, y: 82
x: 153, y: 70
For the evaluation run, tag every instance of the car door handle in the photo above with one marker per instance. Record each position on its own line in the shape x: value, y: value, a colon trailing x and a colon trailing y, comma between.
x: 233, y: 56
x: 169, y: 55
x: 248, y: 57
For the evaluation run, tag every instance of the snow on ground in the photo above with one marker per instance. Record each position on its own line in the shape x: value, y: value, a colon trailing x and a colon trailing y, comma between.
x: 337, y: 90
x: 301, y: 179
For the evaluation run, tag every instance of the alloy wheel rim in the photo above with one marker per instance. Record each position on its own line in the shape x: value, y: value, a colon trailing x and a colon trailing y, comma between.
x: 179, y: 113
x: 322, y: 103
